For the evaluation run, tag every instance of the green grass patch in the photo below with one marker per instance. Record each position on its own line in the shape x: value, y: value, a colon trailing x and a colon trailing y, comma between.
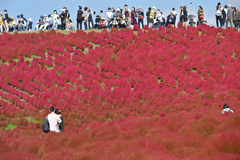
x: 33, y: 120
x: 9, y: 127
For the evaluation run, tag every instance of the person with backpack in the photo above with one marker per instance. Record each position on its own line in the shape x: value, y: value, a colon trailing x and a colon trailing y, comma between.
x: 6, y: 21
x: 237, y: 18
x: 29, y: 27
x: 127, y: 14
x: 229, y: 17
x: 80, y: 17
x: 140, y: 17
x: 226, y: 109
x: 53, y: 120
x: 90, y: 18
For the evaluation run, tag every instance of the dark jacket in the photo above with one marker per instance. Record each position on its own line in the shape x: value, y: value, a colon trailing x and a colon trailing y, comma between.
x: 6, y: 18
x: 30, y: 25
x: 148, y: 15
x: 185, y: 15
x: 79, y: 15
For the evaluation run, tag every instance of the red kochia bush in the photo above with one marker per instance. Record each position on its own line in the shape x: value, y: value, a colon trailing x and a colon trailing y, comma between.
x: 227, y: 142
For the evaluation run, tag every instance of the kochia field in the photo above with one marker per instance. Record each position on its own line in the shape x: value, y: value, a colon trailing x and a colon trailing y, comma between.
x: 124, y: 94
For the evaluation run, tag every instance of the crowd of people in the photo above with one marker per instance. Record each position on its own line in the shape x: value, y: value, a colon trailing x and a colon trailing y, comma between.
x: 119, y: 18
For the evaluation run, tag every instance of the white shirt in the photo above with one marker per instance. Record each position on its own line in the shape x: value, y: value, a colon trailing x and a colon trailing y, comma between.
x: 159, y: 15
x: 53, y: 120
x: 109, y: 15
x: 174, y: 13
x: 227, y: 110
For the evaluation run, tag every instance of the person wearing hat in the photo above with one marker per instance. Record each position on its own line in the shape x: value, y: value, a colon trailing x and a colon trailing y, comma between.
x: 152, y: 15
x: 97, y: 22
x: 6, y: 21
x: 127, y: 14
x: 12, y: 24
x: 80, y: 17
x: 55, y: 18
x: 46, y: 23
x: 229, y: 16
x: 140, y: 17
x: 21, y: 23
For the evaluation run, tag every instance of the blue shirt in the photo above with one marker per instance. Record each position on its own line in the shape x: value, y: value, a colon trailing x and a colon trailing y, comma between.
x: 50, y: 19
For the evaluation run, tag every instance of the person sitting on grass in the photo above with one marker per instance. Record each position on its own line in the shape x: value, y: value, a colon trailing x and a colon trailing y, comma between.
x: 226, y: 109
x: 54, y: 120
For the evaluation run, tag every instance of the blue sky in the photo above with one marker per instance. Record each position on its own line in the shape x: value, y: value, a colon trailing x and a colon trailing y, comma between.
x: 34, y: 8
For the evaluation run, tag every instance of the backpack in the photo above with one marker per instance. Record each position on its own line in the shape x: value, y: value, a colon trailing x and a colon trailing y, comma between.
x: 45, y: 125
x: 118, y: 14
x: 90, y: 15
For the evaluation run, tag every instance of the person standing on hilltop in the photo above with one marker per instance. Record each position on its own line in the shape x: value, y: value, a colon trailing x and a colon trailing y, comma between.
x: 127, y: 14
x: 80, y: 17
x: 229, y: 16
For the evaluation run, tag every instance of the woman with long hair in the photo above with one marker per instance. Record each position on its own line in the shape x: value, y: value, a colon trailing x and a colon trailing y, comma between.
x: 200, y: 15
x: 133, y: 16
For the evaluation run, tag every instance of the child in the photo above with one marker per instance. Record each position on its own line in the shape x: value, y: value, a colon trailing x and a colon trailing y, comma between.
x: 70, y: 25
x: 30, y: 24
x: 226, y: 109
x: 192, y: 23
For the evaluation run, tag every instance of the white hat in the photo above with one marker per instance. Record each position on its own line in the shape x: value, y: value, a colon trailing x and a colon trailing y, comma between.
x: 30, y: 19
x: 154, y: 7
x: 62, y: 10
x: 140, y: 7
x: 118, y: 9
x: 229, y: 5
x: 45, y: 15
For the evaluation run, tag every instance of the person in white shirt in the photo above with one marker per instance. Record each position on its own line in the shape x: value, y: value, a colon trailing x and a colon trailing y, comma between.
x: 55, y: 18
x: 174, y: 14
x: 158, y: 17
x: 109, y: 16
x: 218, y: 14
x: 226, y: 109
x: 54, y: 120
